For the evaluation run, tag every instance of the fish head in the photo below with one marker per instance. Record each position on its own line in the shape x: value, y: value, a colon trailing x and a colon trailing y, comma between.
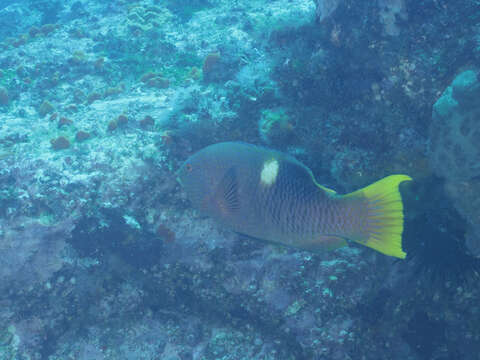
x: 200, y: 176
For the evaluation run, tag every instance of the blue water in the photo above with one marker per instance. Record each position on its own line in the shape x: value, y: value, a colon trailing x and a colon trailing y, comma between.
x: 102, y: 255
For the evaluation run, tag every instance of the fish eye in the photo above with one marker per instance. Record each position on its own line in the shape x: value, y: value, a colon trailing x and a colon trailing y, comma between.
x: 188, y: 167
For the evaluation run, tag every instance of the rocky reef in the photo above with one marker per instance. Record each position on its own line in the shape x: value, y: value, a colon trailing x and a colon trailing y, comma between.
x: 101, y: 255
x: 455, y: 148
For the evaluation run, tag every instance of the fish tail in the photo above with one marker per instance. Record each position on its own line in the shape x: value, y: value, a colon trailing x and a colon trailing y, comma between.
x: 381, y: 227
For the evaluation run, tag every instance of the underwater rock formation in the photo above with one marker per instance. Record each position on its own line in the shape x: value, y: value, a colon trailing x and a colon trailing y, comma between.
x: 455, y: 148
x: 455, y: 130
x: 324, y: 8
x: 102, y: 257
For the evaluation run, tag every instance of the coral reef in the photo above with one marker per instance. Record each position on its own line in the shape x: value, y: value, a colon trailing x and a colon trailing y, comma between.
x: 102, y: 257
x: 32, y: 252
x: 275, y: 127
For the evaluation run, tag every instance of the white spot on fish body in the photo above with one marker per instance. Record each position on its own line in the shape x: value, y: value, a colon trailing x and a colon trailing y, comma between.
x: 269, y: 172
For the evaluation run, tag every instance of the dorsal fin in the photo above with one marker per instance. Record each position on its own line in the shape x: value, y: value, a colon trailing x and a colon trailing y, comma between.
x: 292, y: 160
x: 327, y: 190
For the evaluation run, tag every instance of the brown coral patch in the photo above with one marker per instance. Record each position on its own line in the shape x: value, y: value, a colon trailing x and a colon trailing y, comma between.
x: 64, y: 122
x: 165, y: 233
x: 147, y: 76
x: 45, y: 108
x: 60, y: 143
x: 147, y: 122
x: 82, y: 136
x: 93, y: 97
x: 210, y: 62
x: 112, y: 125
x: 122, y: 119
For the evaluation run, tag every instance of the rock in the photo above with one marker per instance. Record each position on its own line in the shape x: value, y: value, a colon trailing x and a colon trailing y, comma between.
x: 390, y: 12
x: 455, y: 131
x: 324, y: 8
x: 455, y: 149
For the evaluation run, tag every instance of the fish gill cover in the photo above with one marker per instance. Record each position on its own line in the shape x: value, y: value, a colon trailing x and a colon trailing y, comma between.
x: 102, y: 255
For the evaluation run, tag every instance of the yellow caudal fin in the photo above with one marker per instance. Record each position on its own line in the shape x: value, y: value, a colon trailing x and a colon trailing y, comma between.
x: 382, y: 224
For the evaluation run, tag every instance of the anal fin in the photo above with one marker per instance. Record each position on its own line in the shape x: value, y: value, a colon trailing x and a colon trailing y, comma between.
x: 324, y: 243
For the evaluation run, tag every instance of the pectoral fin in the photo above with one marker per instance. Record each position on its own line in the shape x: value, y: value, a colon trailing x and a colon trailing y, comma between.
x: 227, y: 193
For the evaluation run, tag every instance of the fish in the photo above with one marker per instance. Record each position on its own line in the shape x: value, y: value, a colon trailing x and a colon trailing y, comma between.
x: 271, y: 196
